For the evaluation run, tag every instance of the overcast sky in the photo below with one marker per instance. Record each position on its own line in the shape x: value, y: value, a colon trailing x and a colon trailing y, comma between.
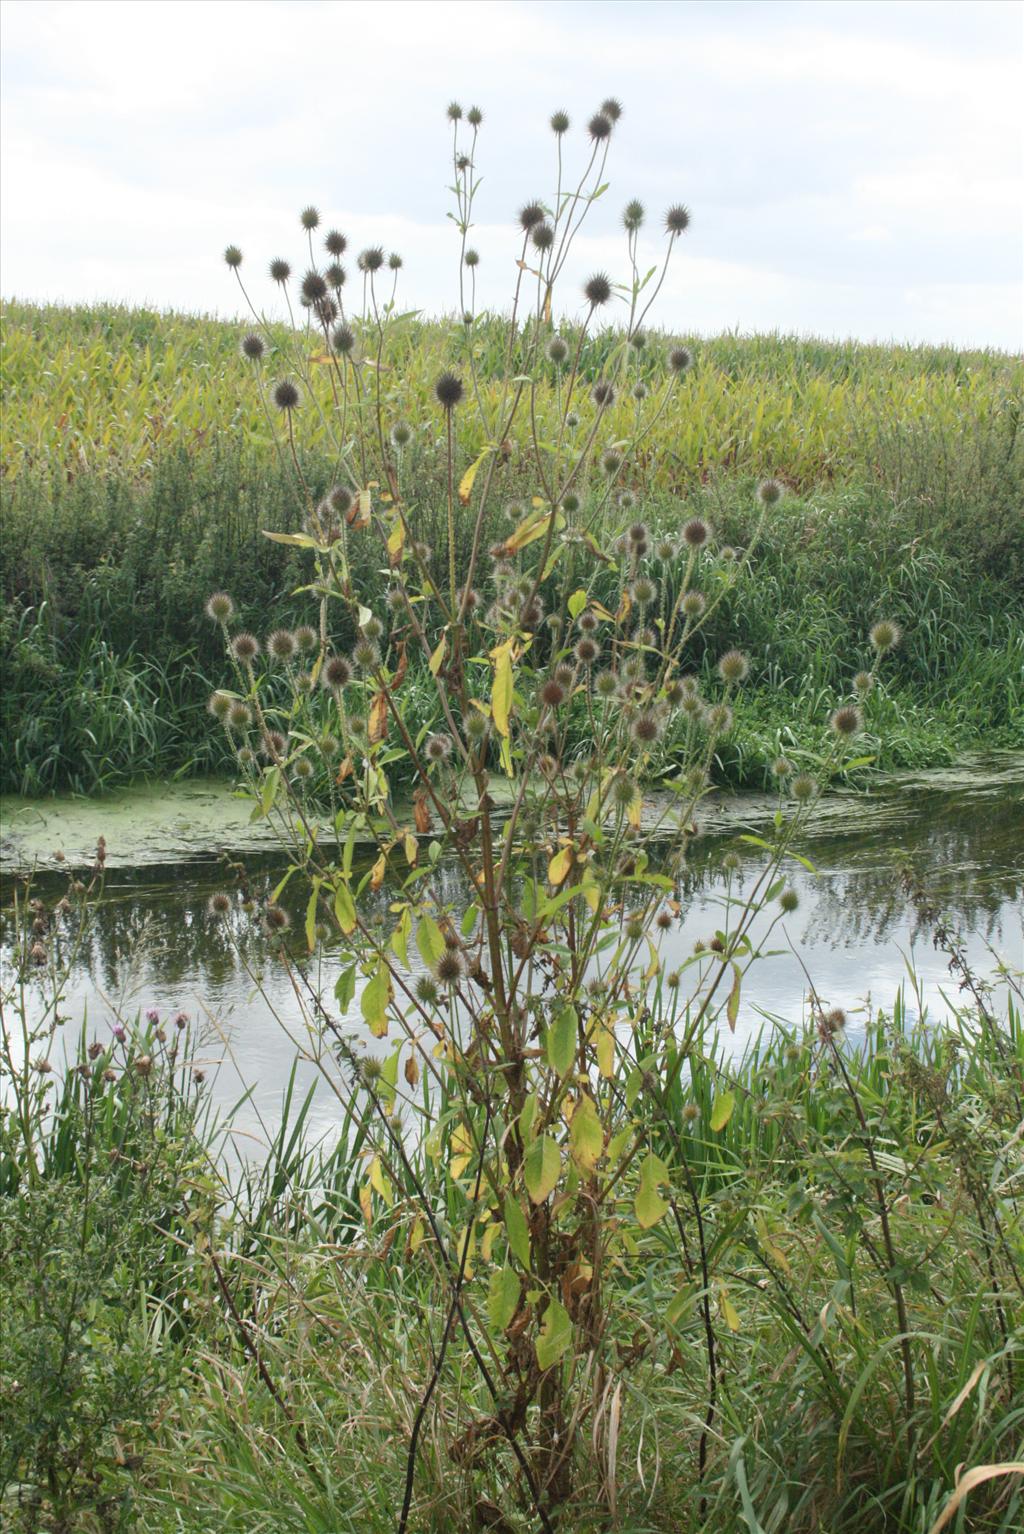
x: 852, y: 169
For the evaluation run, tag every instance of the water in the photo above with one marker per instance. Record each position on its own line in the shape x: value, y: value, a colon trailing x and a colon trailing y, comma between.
x: 152, y: 945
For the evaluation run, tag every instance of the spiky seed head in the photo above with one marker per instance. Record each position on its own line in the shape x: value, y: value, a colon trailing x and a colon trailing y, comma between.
x: 394, y: 261
x: 770, y: 492
x: 638, y: 340
x: 835, y: 1020
x: 733, y: 666
x: 274, y: 745
x: 597, y: 290
x: 426, y: 990
x: 477, y: 726
x: 245, y: 648
x: 782, y: 769
x: 448, y: 969
x: 633, y: 215
x: 558, y: 350
x: 246, y: 757
x: 448, y: 391
x: 789, y: 900
x: 718, y: 719
x: 611, y: 462
x: 731, y: 862
x: 233, y: 256
x: 572, y: 419
x: 603, y: 395
x: 599, y: 127
x: 587, y: 622
x: 680, y: 359
x: 640, y: 390
x: 372, y: 628
x: 219, y: 904
x: 330, y: 745
x: 474, y: 117
x: 239, y: 715
x: 366, y: 655
x: 638, y: 533
x: 309, y: 218
x: 281, y: 645
x: 401, y: 434
x: 343, y: 339
x: 336, y: 673
x: 646, y: 728
x: 863, y: 683
x: 304, y: 683
x: 335, y: 276
x: 728, y: 554
x: 286, y: 395
x: 438, y: 747
x: 542, y: 236
x: 846, y: 721
x: 665, y: 550
x: 453, y: 112
x: 624, y: 790
x: 675, y: 692
x: 313, y: 287
x: 587, y: 650
x: 803, y: 787
x: 696, y: 533
x: 472, y: 258
x: 644, y: 591
x: 276, y: 919
x: 371, y: 259
x: 280, y: 270
x: 530, y: 214
x: 336, y: 243
x: 570, y: 502
x: 885, y: 636
x: 302, y: 769
x: 677, y: 219
x: 253, y: 346
x: 220, y: 608
x: 612, y: 108
x: 552, y: 693
x: 219, y: 704
x: 663, y: 920
x: 559, y: 123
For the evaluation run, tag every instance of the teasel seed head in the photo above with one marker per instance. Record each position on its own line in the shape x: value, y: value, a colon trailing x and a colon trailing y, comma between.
x: 770, y: 492
x: 597, y: 290
x: 570, y: 502
x: 245, y: 648
x: 587, y: 650
x: 572, y: 419
x: 253, y: 346
x: 371, y: 259
x: 233, y: 257
x: 611, y: 462
x: 559, y: 123
x: 693, y: 604
x: 782, y: 768
x: 588, y: 621
x: 606, y: 684
x: 448, y: 391
x: 449, y: 967
x: 313, y: 287
x: 309, y: 218
x: 603, y: 394
x: 219, y: 705
x: 663, y: 920
x: 426, y: 990
x: 366, y: 655
x: 453, y: 112
x: 335, y: 275
x: 696, y: 533
x: 219, y: 905
x: 552, y: 693
x: 639, y: 390
x: 306, y: 638
x: 803, y: 787
x: 286, y: 395
x: 846, y: 721
x: 863, y: 683
x: 665, y: 550
x: 343, y: 340
x: 644, y: 591
x: 558, y: 350
x: 677, y: 219
x: 733, y: 666
x: 472, y: 258
x: 275, y: 745
x: 885, y: 636
x: 330, y: 746
x: 542, y: 236
x: 280, y: 271
x: 239, y: 715
x: 633, y: 215
x: 680, y: 359
x: 474, y: 117
x: 220, y: 608
x: 646, y: 728
x: 789, y: 900
x: 599, y: 127
x: 438, y: 748
x: 276, y: 919
x: 336, y: 673
x: 246, y: 758
x: 718, y: 719
x: 530, y: 214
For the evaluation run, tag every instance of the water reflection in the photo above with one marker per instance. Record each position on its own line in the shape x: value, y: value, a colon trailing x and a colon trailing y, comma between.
x: 152, y: 944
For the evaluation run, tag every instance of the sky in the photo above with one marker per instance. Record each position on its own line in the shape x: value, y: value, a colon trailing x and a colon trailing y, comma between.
x: 852, y: 169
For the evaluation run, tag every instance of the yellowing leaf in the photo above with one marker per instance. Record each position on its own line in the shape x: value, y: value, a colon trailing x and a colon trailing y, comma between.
x: 559, y: 866
x: 606, y: 1051
x: 430, y: 941
x: 344, y: 909
x: 586, y: 1137
x: 412, y: 1071
x: 555, y: 1334
x: 517, y: 1230
x: 373, y: 1003
x: 721, y: 1113
x: 502, y: 1297
x: 561, y: 1041
x: 541, y: 1168
x: 649, y: 1205
x: 733, y: 1007
x: 577, y: 602
x: 412, y: 848
x: 466, y: 482
x: 730, y: 1315
x: 501, y: 690
x: 437, y: 658
x: 396, y: 542
x: 378, y: 871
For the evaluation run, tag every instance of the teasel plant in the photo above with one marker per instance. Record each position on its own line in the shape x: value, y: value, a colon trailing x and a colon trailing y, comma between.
x: 488, y: 789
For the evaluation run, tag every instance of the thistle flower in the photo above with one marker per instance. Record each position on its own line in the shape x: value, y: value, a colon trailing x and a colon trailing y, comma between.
x: 448, y: 391
x: 733, y: 666
x: 633, y: 215
x: 336, y: 673
x: 220, y: 608
x: 599, y: 127
x: 239, y: 715
x: 245, y: 648
x: 770, y: 492
x: 233, y: 257
x: 696, y: 533
x: 803, y: 787
x: 313, y: 287
x: 558, y: 350
x: 885, y: 636
x: 542, y: 236
x: 306, y: 638
x: 335, y: 243
x: 677, y: 219
x: 343, y: 340
x: 559, y: 123
x: 286, y: 395
x: 219, y: 905
x: 680, y: 359
x: 371, y: 259
x: 597, y: 290
x: 309, y: 218
x: 219, y: 705
x: 846, y: 721
x: 253, y: 346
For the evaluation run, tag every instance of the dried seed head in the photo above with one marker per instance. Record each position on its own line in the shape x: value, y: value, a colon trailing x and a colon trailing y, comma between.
x: 570, y: 502
x: 472, y: 258
x: 343, y: 340
x: 542, y: 236
x: 677, y: 219
x: 644, y: 591
x: 286, y: 395
x: 245, y: 757
x: 530, y: 215
x: 281, y: 645
x: 606, y: 684
x: 803, y: 787
x: 663, y: 920
x: 219, y: 904
x: 587, y: 650
x: 846, y: 721
x: 426, y: 990
x: 448, y: 969
x: 552, y: 693
x: 770, y: 492
x: 245, y: 648
x: 558, y: 350
x: 611, y: 462
x: 438, y: 748
x: 306, y: 638
x: 638, y: 533
x: 336, y: 673
x: 220, y: 607
x: 453, y: 112
x: 280, y: 270
x: 401, y: 434
x: 366, y: 655
x: 302, y: 769
x: 646, y: 728
x: 665, y: 550
x: 559, y: 123
x: 733, y: 666
x: 835, y: 1020
x: 335, y: 275
x: 599, y: 127
x: 336, y: 243
x: 696, y: 533
x: 474, y: 117
x: 633, y: 215
x: 789, y: 900
x: 253, y: 346
x: 718, y: 719
x: 588, y: 621
x: 330, y: 745
x: 680, y: 359
x: 313, y: 287
x: 309, y: 218
x: 275, y: 745
x: 233, y: 257
x: 219, y: 704
x: 276, y: 919
x: 371, y: 259
x: 693, y: 604
x: 885, y: 636
x: 863, y: 683
x: 448, y: 391
x: 394, y: 261
x: 781, y: 768
x: 371, y: 627
x: 597, y: 290
x: 239, y: 715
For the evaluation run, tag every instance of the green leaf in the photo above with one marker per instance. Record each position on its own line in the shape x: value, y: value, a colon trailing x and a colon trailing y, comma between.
x: 429, y: 941
x: 577, y: 602
x: 373, y: 1003
x: 541, y: 1167
x: 561, y: 1041
x: 586, y: 1137
x: 311, y: 906
x: 345, y: 987
x: 722, y: 1111
x: 517, y: 1230
x: 344, y: 908
x: 502, y: 1297
x: 555, y: 1334
x: 649, y: 1204
x: 732, y: 1009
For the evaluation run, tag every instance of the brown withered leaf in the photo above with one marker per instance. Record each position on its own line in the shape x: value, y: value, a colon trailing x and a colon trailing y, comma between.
x: 378, y: 726
x: 421, y: 811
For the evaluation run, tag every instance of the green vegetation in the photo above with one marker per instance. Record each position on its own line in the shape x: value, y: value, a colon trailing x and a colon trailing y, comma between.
x: 140, y: 474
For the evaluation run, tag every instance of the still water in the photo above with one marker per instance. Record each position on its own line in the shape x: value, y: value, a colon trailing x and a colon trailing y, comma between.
x: 152, y: 946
